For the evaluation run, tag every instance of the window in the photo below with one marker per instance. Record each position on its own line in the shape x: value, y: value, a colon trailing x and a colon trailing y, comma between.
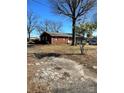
x: 55, y: 38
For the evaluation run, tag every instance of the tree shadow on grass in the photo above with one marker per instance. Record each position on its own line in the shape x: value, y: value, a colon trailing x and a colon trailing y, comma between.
x: 42, y: 55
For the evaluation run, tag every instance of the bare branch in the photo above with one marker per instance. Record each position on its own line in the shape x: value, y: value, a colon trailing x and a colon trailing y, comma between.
x: 51, y: 26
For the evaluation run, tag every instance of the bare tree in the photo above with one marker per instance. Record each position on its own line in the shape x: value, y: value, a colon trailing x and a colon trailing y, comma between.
x: 46, y: 25
x: 73, y: 9
x: 32, y: 23
x: 51, y: 26
x: 55, y: 26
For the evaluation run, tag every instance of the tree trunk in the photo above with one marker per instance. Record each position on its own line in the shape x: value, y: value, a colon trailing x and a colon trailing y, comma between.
x: 29, y: 37
x: 82, y: 49
x: 73, y: 32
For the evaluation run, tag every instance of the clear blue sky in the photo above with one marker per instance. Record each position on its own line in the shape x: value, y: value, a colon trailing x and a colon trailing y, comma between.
x: 45, y: 12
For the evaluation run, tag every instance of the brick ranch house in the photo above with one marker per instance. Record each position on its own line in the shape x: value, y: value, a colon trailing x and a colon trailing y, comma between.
x: 57, y: 38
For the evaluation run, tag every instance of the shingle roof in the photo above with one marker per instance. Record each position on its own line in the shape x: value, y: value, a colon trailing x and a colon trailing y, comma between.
x: 59, y: 34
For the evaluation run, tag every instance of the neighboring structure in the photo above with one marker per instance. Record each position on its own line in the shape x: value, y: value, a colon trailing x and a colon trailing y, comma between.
x: 55, y: 38
x: 93, y: 41
x: 33, y: 38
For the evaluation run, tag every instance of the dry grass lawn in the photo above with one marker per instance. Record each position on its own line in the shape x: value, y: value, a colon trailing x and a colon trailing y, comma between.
x: 67, y: 51
x: 59, y: 48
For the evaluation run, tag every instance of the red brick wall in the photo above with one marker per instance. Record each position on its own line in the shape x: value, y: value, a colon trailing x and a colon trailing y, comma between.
x: 60, y: 40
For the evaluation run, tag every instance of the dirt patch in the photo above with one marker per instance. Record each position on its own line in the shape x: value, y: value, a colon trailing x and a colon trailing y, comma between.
x: 59, y: 75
